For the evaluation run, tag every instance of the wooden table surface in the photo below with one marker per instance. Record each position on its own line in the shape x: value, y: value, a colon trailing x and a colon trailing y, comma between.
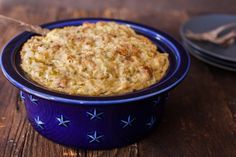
x: 200, y: 115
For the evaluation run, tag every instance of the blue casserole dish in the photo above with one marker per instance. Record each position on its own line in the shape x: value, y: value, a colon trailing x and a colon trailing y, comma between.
x: 95, y: 122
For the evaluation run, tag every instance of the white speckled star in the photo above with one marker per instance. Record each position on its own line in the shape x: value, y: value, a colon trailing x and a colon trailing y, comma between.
x: 94, y: 137
x: 38, y: 122
x: 95, y: 114
x: 151, y: 122
x: 127, y: 122
x: 62, y: 121
x: 33, y: 100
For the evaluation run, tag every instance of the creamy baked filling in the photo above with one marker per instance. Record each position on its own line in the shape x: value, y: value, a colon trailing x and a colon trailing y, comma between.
x: 94, y: 59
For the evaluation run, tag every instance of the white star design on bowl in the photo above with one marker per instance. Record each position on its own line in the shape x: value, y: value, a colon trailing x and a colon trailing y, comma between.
x: 62, y: 121
x: 33, y: 100
x: 156, y: 102
x: 127, y: 122
x: 22, y: 96
x: 38, y: 122
x: 94, y: 137
x: 151, y: 122
x: 95, y: 114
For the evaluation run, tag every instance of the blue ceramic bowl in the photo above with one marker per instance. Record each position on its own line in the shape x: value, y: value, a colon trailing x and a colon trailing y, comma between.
x: 95, y: 122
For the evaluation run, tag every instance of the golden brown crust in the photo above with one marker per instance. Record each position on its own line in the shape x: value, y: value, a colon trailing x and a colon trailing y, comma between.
x: 98, y: 59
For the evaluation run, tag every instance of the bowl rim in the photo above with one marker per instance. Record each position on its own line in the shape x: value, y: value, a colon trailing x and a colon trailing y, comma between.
x: 168, y: 83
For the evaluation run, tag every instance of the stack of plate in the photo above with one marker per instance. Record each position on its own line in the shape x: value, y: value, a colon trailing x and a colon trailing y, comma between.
x: 219, y: 56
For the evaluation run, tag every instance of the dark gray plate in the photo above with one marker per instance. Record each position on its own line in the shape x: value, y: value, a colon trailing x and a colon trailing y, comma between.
x: 209, y: 60
x: 217, y: 60
x: 205, y: 23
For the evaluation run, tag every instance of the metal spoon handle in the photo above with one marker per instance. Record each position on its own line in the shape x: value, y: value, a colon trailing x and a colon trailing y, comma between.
x: 28, y: 27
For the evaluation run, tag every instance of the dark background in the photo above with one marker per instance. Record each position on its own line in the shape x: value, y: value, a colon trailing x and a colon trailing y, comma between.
x: 187, y: 5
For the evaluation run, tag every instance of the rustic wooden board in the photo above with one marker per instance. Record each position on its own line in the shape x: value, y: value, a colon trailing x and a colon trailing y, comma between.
x: 199, y: 118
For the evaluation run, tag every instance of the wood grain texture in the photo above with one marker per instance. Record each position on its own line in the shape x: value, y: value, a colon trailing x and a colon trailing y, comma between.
x: 200, y: 116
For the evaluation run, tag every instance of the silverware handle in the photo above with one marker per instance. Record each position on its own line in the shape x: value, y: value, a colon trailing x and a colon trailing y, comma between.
x: 26, y: 26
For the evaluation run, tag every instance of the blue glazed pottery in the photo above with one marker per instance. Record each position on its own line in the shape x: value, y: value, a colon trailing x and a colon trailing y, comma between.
x: 95, y: 122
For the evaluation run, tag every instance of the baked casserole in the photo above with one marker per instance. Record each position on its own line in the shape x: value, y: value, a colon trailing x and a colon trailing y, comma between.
x: 94, y: 59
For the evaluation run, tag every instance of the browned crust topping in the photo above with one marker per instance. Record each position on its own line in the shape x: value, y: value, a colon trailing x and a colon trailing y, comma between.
x: 98, y: 59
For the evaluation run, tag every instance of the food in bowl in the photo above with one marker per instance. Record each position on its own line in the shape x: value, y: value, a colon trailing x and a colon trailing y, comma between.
x: 96, y: 122
x: 94, y: 59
